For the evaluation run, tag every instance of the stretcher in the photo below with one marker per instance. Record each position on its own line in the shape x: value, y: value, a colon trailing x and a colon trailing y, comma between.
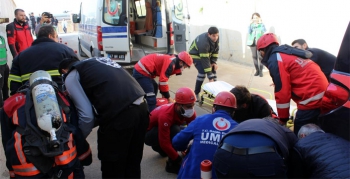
x: 211, y: 89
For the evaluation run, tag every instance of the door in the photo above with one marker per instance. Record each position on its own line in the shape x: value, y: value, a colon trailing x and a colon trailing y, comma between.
x: 115, y: 30
x: 179, y: 25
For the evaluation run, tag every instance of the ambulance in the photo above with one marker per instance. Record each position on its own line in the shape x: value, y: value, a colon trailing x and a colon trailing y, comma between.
x: 127, y: 30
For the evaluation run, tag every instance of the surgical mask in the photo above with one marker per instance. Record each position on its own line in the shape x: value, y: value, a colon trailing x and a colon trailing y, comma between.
x: 188, y: 113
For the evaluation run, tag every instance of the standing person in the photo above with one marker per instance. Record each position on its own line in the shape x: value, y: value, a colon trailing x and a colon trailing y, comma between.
x: 255, y: 148
x: 33, y: 22
x: 3, y: 64
x: 255, y: 30
x: 320, y: 155
x: 250, y: 106
x: 201, y: 131
x: 165, y: 123
x: 153, y: 65
x: 38, y: 19
x: 18, y: 32
x: 45, y: 54
x: 44, y: 20
x: 204, y: 50
x: 323, y: 59
x: 295, y: 77
x: 64, y: 25
x: 99, y: 83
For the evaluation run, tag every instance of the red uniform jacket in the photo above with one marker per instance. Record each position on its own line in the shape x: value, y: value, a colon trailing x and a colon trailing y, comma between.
x: 18, y: 37
x: 298, y: 79
x: 161, y: 65
x: 164, y: 117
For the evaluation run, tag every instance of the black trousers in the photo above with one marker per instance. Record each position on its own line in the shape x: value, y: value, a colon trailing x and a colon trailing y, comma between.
x: 120, y: 143
x: 152, y: 138
x: 2, y: 82
x: 263, y: 165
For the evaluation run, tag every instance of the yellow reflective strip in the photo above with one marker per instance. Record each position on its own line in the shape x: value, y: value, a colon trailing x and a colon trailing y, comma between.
x: 54, y: 73
x: 207, y: 69
x: 15, y: 78
x: 194, y: 45
x: 204, y: 54
x: 195, y: 56
x: 25, y: 77
x: 215, y: 55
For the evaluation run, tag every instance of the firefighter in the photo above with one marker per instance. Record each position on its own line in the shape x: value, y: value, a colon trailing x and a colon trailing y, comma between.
x: 165, y: 123
x: 45, y: 54
x: 295, y: 77
x: 206, y: 132
x: 204, y: 51
x: 25, y: 159
x: 161, y: 65
x: 106, y: 93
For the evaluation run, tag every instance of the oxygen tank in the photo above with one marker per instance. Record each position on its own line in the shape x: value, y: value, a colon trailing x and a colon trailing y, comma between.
x: 47, y: 110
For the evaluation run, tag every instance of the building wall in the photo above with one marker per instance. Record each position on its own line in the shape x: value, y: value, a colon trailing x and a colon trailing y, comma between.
x: 321, y: 23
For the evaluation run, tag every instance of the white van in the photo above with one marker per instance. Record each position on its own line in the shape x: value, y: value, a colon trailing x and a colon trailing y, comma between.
x: 126, y: 30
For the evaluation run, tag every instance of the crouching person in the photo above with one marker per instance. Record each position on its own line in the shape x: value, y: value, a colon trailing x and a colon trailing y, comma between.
x: 165, y: 123
x: 38, y: 139
x: 206, y: 132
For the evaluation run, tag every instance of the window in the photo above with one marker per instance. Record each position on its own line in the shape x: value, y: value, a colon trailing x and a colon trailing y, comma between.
x: 111, y: 11
x: 140, y: 8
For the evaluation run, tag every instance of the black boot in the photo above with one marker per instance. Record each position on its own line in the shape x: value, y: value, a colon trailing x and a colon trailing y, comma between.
x: 173, y: 166
x: 261, y: 74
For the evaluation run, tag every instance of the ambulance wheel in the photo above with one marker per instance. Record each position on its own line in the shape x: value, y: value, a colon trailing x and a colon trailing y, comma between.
x: 81, y: 53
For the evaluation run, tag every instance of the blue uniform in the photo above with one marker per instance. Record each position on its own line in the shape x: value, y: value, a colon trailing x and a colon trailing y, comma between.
x: 206, y: 132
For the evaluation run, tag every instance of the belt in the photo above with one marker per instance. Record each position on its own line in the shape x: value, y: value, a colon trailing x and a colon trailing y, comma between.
x: 247, y: 151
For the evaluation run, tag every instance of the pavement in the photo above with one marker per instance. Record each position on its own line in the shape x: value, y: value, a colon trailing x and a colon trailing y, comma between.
x: 153, y: 165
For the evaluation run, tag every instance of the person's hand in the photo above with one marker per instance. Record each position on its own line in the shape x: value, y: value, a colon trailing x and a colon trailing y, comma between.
x: 272, y: 84
x: 215, y: 66
x: 212, y: 80
x: 170, y: 100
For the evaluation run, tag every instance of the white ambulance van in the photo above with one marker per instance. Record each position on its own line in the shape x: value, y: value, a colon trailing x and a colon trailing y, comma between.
x: 127, y: 30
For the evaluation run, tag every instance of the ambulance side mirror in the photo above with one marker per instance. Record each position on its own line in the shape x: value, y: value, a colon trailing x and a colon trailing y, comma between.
x: 76, y: 18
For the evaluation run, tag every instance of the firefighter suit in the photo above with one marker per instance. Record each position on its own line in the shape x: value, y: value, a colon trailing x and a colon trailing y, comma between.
x: 24, y: 163
x: 204, y: 53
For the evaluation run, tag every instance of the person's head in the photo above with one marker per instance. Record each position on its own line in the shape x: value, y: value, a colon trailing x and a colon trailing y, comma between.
x: 65, y: 64
x: 300, y: 44
x: 185, y: 60
x: 308, y: 129
x: 20, y: 16
x: 256, y: 17
x: 242, y: 95
x: 46, y: 17
x: 32, y: 14
x: 48, y: 31
x: 225, y: 101
x: 185, y: 99
x: 265, y: 41
x: 213, y: 34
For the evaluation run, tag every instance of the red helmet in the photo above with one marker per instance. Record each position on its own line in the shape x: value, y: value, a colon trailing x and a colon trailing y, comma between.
x: 266, y: 40
x: 185, y: 57
x: 225, y: 98
x: 185, y: 96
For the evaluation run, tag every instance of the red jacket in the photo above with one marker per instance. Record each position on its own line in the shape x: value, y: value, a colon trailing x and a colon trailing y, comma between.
x: 18, y: 37
x: 164, y: 117
x: 298, y: 79
x: 161, y: 65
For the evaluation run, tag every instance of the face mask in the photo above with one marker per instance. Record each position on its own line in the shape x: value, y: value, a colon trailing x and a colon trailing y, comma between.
x: 188, y: 113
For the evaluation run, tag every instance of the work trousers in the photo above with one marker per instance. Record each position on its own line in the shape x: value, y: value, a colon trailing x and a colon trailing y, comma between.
x: 150, y: 86
x: 2, y: 82
x: 201, y: 76
x: 303, y: 117
x: 121, y: 141
x: 152, y: 138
